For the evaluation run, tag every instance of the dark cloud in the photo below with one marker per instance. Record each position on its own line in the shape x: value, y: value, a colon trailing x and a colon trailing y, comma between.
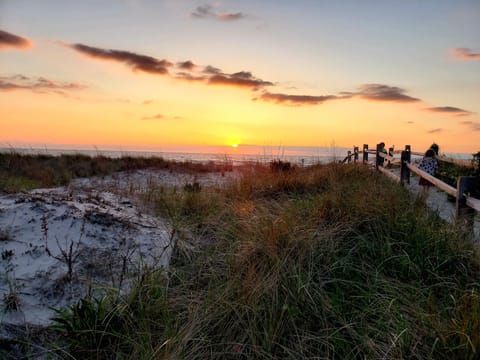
x: 296, y: 99
x: 209, y: 74
x: 435, y: 131
x: 464, y: 54
x: 449, y: 110
x: 208, y: 12
x: 8, y: 40
x: 240, y: 79
x: 380, y: 92
x: 211, y: 70
x: 137, y: 62
x: 154, y: 117
x: 186, y: 65
x: 189, y: 77
x: 39, y: 84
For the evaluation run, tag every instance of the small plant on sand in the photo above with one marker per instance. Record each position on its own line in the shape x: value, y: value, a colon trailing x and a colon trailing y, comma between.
x: 109, y: 327
x: 7, y: 254
x: 11, y: 301
x: 70, y: 252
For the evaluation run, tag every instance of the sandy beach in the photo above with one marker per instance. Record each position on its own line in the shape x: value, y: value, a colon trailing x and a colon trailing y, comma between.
x: 93, y: 236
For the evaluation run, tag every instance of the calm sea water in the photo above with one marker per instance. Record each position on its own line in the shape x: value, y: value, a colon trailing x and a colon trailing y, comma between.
x: 242, y: 154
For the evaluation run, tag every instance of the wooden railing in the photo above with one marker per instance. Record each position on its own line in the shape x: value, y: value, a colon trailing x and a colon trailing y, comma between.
x: 466, y: 205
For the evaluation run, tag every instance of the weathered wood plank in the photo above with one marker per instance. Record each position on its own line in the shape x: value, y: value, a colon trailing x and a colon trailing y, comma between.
x: 473, y: 203
x: 438, y: 183
x: 391, y: 175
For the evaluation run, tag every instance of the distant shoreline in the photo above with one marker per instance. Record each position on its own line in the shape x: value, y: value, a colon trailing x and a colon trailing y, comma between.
x: 241, y: 155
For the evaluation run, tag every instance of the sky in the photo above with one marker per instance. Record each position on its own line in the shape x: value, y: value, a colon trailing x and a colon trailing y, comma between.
x: 171, y: 74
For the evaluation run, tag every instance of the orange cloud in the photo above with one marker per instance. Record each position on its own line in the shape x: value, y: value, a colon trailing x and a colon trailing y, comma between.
x: 449, y: 110
x: 296, y: 99
x: 8, y: 40
x: 241, y: 79
x: 137, y: 62
x: 380, y: 92
x: 154, y: 117
x: 186, y: 65
x: 464, y: 54
x: 39, y: 84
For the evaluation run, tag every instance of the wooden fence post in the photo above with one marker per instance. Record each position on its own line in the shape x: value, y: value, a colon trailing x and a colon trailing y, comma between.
x: 355, y: 151
x: 465, y: 214
x: 406, y: 157
x: 378, y: 159
x: 365, y: 154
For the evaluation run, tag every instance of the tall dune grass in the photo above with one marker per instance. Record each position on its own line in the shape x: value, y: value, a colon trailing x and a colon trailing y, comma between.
x: 329, y: 262
x: 20, y: 172
x: 326, y: 262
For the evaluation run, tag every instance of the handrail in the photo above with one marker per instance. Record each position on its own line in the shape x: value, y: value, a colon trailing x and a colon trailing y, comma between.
x: 438, y: 183
x: 391, y: 175
x: 466, y: 206
x: 473, y: 202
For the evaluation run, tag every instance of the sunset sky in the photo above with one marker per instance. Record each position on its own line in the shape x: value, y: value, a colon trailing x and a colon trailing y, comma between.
x: 164, y: 74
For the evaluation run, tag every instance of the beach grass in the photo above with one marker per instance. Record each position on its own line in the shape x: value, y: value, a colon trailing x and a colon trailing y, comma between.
x: 20, y: 172
x: 329, y: 261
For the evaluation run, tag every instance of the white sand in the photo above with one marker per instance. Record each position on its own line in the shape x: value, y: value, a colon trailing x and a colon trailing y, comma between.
x: 112, y: 234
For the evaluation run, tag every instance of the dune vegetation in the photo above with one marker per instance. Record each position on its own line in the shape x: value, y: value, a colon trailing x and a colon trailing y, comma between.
x: 328, y: 262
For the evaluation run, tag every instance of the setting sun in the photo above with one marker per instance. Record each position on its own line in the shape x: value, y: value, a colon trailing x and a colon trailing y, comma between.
x: 234, y: 145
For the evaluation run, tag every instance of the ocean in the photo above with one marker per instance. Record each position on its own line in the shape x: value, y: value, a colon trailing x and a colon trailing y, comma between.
x: 218, y: 154
x: 239, y: 155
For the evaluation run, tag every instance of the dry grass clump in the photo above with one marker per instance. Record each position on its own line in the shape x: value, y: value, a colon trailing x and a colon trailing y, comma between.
x: 330, y: 261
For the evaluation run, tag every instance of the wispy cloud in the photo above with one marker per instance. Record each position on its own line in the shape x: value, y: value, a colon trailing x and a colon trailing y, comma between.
x: 39, y: 84
x: 241, y: 79
x: 208, y: 12
x: 381, y: 92
x: 449, y: 110
x: 154, y: 117
x: 135, y: 61
x: 435, y: 131
x: 147, y: 102
x: 296, y: 99
x: 464, y: 54
x: 9, y: 40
